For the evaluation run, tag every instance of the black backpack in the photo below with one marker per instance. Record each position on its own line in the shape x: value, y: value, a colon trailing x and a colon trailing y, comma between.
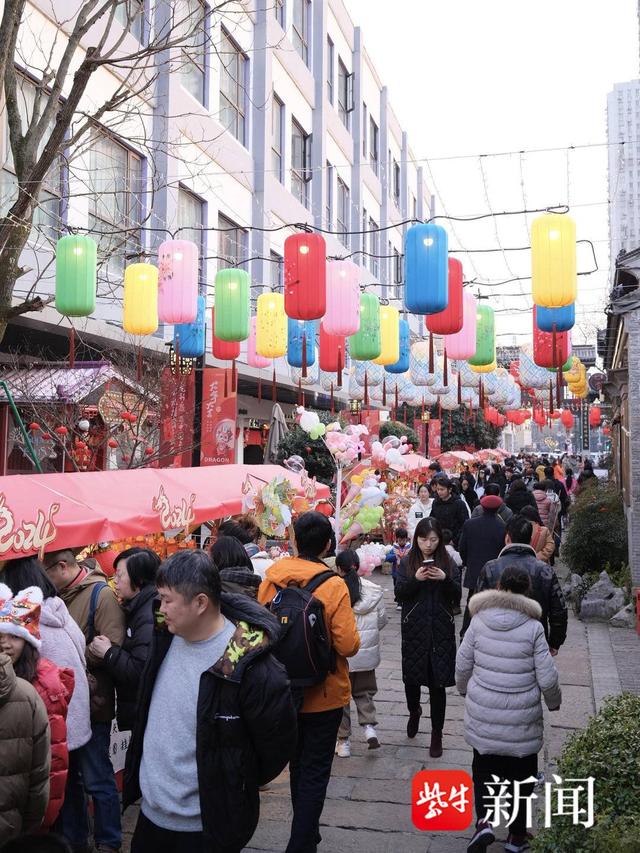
x: 304, y: 646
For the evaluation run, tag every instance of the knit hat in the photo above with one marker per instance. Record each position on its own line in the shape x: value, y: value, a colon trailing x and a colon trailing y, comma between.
x: 492, y: 503
x: 20, y: 614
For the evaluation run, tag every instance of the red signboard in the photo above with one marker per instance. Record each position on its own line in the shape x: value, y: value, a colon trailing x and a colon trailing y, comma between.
x: 435, y: 449
x: 219, y: 416
x: 178, y: 405
x: 421, y: 428
x: 370, y: 419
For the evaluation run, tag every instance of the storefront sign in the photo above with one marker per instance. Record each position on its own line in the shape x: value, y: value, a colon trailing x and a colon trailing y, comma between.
x: 434, y: 443
x: 177, y: 517
x: 219, y: 416
x: 584, y: 418
x: 178, y: 396
x: 26, y: 536
x: 113, y: 403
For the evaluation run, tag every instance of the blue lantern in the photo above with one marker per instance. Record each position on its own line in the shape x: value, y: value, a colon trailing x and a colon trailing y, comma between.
x: 402, y: 364
x: 426, y: 269
x: 562, y: 318
x: 190, y: 338
x: 298, y: 332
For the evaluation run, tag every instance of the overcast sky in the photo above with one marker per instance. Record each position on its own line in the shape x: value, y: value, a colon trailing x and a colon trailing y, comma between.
x: 470, y: 78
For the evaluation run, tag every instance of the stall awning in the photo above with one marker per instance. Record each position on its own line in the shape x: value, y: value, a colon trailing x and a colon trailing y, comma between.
x: 46, y: 512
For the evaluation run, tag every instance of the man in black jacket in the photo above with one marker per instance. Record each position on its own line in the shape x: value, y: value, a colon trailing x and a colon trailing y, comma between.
x: 545, y: 588
x: 482, y: 540
x: 215, y: 716
x: 449, y: 509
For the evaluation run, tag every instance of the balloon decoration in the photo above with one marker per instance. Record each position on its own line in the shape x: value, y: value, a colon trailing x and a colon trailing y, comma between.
x: 426, y: 269
x: 301, y: 342
x: 177, y: 281
x: 189, y: 339
x: 366, y: 344
x: 402, y: 364
x: 485, y: 353
x: 232, y: 295
x: 140, y: 300
x: 343, y: 298
x: 305, y: 276
x: 223, y: 350
x: 271, y: 326
x: 76, y: 275
x: 553, y: 260
x: 450, y: 321
x: 389, y: 335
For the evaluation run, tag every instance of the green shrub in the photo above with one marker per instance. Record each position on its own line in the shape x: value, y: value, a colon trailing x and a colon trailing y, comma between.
x: 313, y: 452
x: 398, y: 429
x: 597, y: 534
x: 608, y: 749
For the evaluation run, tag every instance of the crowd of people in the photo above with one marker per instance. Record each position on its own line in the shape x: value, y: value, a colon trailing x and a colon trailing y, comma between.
x: 230, y: 663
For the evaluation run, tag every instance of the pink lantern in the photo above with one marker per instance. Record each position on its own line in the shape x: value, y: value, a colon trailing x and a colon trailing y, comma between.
x: 462, y: 345
x: 343, y: 299
x: 253, y: 359
x: 177, y: 281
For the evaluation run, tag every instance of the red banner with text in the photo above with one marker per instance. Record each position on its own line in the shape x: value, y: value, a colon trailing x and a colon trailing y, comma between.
x: 219, y: 417
x: 421, y: 427
x: 435, y: 430
x: 178, y: 406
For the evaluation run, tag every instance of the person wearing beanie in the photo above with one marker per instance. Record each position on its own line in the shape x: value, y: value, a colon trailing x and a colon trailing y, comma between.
x: 20, y: 641
x: 493, y: 491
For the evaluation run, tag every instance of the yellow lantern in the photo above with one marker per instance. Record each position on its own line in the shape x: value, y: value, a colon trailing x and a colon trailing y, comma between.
x: 553, y: 260
x: 389, y: 335
x: 484, y: 368
x: 140, y: 306
x: 271, y: 326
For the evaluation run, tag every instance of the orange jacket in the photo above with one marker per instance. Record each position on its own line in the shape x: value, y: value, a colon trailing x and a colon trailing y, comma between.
x: 335, y: 690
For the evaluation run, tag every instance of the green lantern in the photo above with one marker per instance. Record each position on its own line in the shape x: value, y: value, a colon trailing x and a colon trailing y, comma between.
x: 566, y: 366
x: 76, y: 275
x: 485, y: 337
x: 232, y: 305
x: 366, y: 344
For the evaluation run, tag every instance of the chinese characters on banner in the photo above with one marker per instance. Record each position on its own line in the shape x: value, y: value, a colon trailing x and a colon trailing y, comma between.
x: 584, y: 417
x: 421, y: 428
x: 434, y: 446
x: 178, y: 406
x: 219, y: 414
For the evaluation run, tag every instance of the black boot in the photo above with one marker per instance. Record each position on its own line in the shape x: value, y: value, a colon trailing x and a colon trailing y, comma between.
x: 414, y: 722
x: 435, y: 747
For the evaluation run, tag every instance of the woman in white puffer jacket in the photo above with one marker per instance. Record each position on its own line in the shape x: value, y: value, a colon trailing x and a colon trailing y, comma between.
x: 368, y: 606
x: 504, y: 667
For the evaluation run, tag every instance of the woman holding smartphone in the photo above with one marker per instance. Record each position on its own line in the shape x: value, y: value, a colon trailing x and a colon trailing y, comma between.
x: 428, y: 588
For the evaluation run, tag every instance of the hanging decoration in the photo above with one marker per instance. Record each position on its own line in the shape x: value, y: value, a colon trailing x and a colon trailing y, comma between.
x: 553, y: 260
x: 426, y: 269
x: 450, y: 321
x: 550, y: 349
x: 76, y: 275
x: 595, y: 416
x: 485, y: 353
x: 402, y: 364
x: 253, y: 359
x: 305, y: 276
x: 222, y: 350
x: 366, y: 344
x: 177, y: 281
x: 332, y: 354
x: 389, y: 335
x: 343, y: 298
x: 189, y: 339
x: 462, y: 345
x: 558, y: 319
x: 140, y: 300
x: 271, y: 326
x: 232, y: 298
x: 301, y: 343
x: 419, y: 364
x: 374, y: 373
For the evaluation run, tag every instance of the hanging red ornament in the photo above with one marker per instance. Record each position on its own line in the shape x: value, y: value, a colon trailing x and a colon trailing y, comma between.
x: 459, y: 389
x: 431, y: 360
x: 445, y: 370
x: 274, y: 387
x: 304, y: 356
x: 46, y: 436
x: 149, y: 451
x: 34, y: 427
x: 384, y: 390
x: 72, y: 346
x: 61, y: 430
x: 226, y: 383
x: 366, y: 389
x: 112, y: 443
x: 234, y: 377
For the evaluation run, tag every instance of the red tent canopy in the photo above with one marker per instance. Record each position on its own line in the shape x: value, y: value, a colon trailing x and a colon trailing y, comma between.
x: 46, y: 512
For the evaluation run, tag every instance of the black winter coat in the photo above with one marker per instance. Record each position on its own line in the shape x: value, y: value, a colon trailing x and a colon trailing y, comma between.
x: 545, y: 588
x: 428, y: 627
x: 126, y: 662
x: 451, y: 514
x: 482, y: 540
x: 246, y: 725
x: 516, y: 501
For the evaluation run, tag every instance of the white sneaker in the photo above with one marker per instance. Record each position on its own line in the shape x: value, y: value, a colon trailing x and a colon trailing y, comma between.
x: 343, y: 748
x: 371, y: 737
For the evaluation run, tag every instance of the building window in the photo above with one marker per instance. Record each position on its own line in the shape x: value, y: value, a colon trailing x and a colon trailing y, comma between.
x: 277, y: 136
x: 374, y: 261
x: 364, y: 131
x: 342, y: 213
x: 191, y: 226
x: 328, y: 213
x: 194, y: 50
x: 345, y: 93
x: 232, y: 243
x: 330, y: 61
x: 301, y: 27
x: 130, y: 16
x: 397, y: 267
x: 374, y: 150
x: 279, y: 9
x: 233, y: 73
x: 115, y: 202
x: 396, y: 182
x: 300, y: 163
x: 277, y: 271
x: 414, y: 207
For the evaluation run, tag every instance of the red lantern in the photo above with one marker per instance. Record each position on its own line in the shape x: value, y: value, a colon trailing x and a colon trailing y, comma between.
x: 305, y: 276
x: 133, y: 419
x: 540, y: 417
x: 325, y: 508
x: 594, y: 416
x: 149, y: 451
x: 567, y: 419
x: 449, y: 321
x: 555, y: 414
x: 61, y: 430
x: 46, y: 436
x: 223, y: 350
x: 548, y: 352
x: 125, y: 416
x: 34, y: 427
x: 606, y: 430
x: 112, y: 443
x: 331, y: 352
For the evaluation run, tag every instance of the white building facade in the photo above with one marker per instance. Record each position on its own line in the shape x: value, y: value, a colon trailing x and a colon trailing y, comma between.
x: 623, y: 136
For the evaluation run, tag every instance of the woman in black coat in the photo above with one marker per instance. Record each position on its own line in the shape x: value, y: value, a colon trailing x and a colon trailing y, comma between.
x: 135, y: 578
x: 468, y: 491
x: 519, y: 496
x: 428, y: 587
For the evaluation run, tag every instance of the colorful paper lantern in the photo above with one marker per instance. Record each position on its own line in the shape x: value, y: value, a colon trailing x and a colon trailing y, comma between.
x: 366, y: 344
x: 189, y: 339
x: 222, y: 350
x: 595, y: 415
x: 76, y: 275
x: 232, y: 294
x: 253, y: 359
x: 389, y: 335
x: 305, y: 276
x: 550, y: 350
x: 343, y: 298
x: 332, y: 351
x: 426, y: 269
x: 567, y: 419
x: 484, y: 368
x: 419, y: 365
x: 558, y: 319
x: 140, y: 301
x: 485, y: 353
x: 271, y: 326
x: 301, y: 334
x: 402, y: 364
x: 553, y: 260
x: 373, y: 372
x: 450, y: 321
x: 462, y: 345
x: 177, y: 282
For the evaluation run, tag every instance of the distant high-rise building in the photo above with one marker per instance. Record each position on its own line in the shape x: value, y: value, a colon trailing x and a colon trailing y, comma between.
x: 623, y: 136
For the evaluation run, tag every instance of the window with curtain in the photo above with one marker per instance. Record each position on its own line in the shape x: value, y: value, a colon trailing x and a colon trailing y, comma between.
x: 191, y: 226
x: 301, y: 28
x: 300, y: 163
x: 232, y: 243
x: 342, y: 213
x: 194, y: 49
x: 344, y: 89
x: 233, y: 78
x: 277, y: 136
